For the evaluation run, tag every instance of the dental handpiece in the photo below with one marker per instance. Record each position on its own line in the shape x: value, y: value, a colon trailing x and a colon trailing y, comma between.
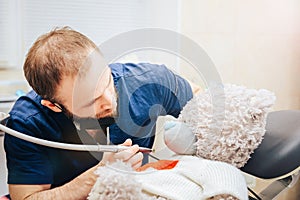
x: 118, y: 148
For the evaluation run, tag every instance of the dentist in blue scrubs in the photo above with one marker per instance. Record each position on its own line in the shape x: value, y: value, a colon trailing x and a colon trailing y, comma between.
x: 76, y: 98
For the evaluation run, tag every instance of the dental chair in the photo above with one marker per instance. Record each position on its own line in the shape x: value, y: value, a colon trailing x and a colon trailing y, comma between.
x: 278, y: 156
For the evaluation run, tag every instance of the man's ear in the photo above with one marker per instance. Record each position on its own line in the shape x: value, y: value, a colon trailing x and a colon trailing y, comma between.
x: 50, y: 105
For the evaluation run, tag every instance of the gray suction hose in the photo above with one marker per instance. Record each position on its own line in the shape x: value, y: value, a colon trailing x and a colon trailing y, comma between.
x: 74, y: 147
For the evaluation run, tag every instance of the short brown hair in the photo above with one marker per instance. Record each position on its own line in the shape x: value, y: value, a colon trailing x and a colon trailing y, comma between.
x: 58, y: 53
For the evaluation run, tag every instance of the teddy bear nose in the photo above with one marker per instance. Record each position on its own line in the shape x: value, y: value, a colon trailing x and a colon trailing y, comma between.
x: 169, y: 124
x: 179, y: 138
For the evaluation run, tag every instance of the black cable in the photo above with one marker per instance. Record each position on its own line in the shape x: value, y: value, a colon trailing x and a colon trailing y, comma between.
x: 152, y: 156
x: 254, y: 194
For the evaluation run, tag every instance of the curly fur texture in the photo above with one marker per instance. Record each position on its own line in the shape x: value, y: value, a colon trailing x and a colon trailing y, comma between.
x: 223, y: 197
x: 116, y: 182
x: 228, y: 130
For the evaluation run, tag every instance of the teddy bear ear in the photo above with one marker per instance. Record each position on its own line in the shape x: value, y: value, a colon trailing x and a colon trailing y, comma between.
x: 261, y: 104
x: 179, y: 138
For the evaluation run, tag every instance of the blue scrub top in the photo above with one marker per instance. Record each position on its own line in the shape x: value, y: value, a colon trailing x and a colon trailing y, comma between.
x: 145, y: 91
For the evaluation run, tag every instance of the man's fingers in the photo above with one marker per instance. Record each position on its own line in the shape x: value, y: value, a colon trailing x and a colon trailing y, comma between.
x: 130, y: 155
x: 128, y: 142
x: 127, y: 154
x: 136, y: 159
x: 137, y: 165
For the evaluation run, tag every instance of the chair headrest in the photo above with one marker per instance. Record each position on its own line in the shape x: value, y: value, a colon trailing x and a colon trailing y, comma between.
x: 278, y: 154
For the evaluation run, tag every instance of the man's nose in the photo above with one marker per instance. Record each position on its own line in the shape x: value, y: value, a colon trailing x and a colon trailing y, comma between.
x: 106, y: 101
x: 105, y: 106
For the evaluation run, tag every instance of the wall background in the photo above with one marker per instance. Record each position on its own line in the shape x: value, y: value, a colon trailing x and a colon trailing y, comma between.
x: 254, y: 43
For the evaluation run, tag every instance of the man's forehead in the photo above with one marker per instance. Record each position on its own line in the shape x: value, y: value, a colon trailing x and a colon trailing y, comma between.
x: 93, y: 67
x: 93, y: 77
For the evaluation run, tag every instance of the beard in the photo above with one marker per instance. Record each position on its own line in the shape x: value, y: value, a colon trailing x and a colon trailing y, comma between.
x: 94, y: 122
x: 100, y: 119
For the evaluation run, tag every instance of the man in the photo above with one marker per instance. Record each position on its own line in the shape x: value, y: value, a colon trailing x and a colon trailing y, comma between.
x: 72, y: 89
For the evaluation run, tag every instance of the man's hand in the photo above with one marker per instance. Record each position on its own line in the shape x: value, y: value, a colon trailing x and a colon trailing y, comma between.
x: 131, y: 155
x: 79, y: 187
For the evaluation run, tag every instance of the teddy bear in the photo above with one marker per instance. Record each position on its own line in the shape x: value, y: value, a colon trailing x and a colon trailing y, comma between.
x: 231, y: 135
x: 210, y: 145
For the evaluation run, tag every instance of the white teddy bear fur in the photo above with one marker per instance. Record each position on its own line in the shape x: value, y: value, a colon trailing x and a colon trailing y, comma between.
x: 233, y: 132
x: 117, y: 182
